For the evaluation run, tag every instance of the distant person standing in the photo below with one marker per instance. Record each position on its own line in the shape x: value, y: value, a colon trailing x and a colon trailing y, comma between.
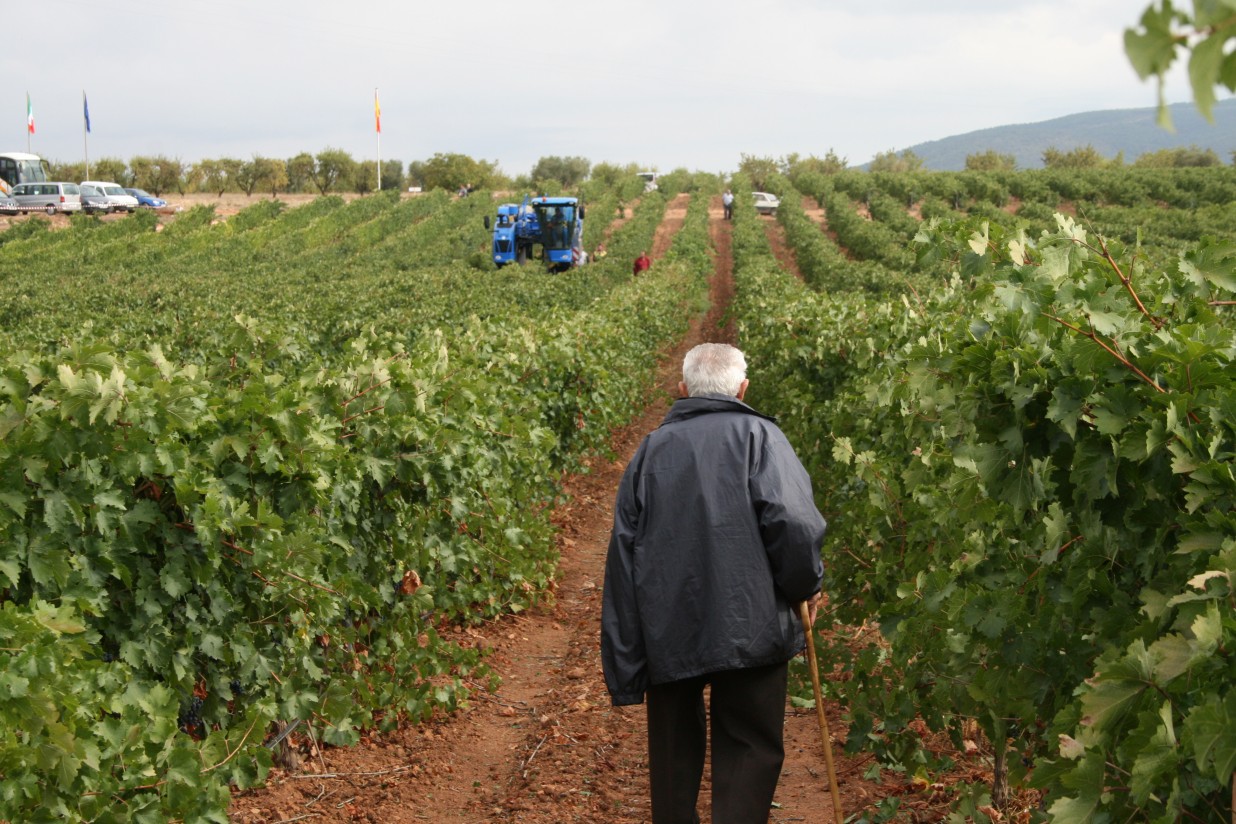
x: 641, y: 263
x: 727, y: 200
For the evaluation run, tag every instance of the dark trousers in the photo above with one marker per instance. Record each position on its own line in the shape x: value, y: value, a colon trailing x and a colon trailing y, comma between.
x: 747, y: 709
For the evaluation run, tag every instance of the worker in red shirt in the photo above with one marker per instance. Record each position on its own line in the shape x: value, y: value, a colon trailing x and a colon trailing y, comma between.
x: 641, y: 263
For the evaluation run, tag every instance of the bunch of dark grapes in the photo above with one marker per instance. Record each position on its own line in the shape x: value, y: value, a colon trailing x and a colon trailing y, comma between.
x: 238, y: 693
x: 190, y: 720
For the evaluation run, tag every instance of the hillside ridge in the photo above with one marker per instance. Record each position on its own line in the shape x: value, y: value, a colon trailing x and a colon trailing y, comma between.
x: 1133, y: 132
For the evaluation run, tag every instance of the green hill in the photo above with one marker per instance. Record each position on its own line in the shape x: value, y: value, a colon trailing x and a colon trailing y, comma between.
x: 1131, y: 131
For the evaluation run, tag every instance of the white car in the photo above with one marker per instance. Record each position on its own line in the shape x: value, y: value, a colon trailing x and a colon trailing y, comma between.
x: 765, y: 203
x: 120, y: 200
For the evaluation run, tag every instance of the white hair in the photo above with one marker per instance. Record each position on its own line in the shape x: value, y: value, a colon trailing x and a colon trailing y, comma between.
x: 714, y: 368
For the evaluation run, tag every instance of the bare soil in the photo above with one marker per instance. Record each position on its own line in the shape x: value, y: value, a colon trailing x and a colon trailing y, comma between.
x: 780, y: 248
x: 813, y: 210
x: 819, y: 216
x: 229, y: 203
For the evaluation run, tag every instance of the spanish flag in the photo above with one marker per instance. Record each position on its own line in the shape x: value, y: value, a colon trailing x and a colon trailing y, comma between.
x: 377, y: 113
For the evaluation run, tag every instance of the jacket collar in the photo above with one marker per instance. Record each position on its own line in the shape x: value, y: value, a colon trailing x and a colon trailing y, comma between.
x: 685, y: 408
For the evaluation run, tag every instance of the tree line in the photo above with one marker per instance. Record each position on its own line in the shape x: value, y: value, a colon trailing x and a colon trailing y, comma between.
x: 335, y: 171
x: 760, y: 170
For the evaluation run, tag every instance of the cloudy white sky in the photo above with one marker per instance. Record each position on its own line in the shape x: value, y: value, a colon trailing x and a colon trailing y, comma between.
x: 661, y: 83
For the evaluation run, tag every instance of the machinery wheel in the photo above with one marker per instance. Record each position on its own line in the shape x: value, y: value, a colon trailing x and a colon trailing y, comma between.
x: 521, y: 255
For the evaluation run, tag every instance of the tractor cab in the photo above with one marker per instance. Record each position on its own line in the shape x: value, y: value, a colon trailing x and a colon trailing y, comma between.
x: 556, y: 217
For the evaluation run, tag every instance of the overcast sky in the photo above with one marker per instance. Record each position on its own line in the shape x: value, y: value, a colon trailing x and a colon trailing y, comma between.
x: 661, y: 83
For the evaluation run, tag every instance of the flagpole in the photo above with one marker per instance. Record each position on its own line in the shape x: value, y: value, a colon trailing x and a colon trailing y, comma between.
x: 377, y: 122
x: 86, y: 132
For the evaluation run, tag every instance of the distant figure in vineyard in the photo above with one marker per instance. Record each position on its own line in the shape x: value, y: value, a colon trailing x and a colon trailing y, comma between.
x: 641, y: 263
x: 727, y: 200
x: 716, y: 540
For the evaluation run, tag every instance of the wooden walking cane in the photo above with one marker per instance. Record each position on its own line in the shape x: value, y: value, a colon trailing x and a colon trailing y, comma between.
x: 805, y: 615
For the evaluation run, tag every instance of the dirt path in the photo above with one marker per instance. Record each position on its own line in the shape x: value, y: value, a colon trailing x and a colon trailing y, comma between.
x: 673, y: 220
x: 781, y: 250
x: 819, y: 216
x: 718, y: 325
x: 547, y: 746
x: 814, y: 211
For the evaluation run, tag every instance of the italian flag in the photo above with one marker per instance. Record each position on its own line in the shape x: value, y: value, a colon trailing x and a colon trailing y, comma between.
x: 29, y: 114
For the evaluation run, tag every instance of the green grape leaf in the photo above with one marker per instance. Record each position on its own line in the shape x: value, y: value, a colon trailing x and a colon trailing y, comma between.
x: 1211, y: 727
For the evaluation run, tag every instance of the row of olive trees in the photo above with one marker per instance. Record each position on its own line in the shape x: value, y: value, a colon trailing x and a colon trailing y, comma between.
x: 1087, y: 157
x: 1082, y: 157
x: 331, y: 170
x: 454, y: 171
x: 762, y: 169
x: 334, y: 171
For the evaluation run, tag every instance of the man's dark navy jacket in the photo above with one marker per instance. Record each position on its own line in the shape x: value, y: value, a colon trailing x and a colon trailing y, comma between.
x: 716, y: 540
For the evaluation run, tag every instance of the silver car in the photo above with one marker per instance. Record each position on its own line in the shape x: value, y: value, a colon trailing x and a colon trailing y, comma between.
x: 8, y: 206
x: 94, y: 202
x: 50, y: 197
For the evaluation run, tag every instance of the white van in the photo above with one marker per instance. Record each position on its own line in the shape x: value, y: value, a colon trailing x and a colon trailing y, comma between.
x: 765, y: 203
x: 117, y: 197
x: 50, y: 197
x: 650, y: 181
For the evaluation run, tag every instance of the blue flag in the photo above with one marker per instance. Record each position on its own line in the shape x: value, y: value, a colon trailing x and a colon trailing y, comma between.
x: 86, y: 111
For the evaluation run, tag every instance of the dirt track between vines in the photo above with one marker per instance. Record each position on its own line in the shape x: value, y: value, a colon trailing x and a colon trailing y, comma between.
x: 547, y: 746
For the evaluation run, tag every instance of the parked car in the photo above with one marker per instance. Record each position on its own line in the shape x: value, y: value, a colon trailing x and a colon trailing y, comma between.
x: 766, y: 204
x: 146, y: 199
x: 51, y: 197
x: 94, y: 201
x: 8, y: 206
x: 120, y: 200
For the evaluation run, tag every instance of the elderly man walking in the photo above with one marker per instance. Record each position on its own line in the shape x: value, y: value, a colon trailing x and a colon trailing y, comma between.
x: 716, y: 539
